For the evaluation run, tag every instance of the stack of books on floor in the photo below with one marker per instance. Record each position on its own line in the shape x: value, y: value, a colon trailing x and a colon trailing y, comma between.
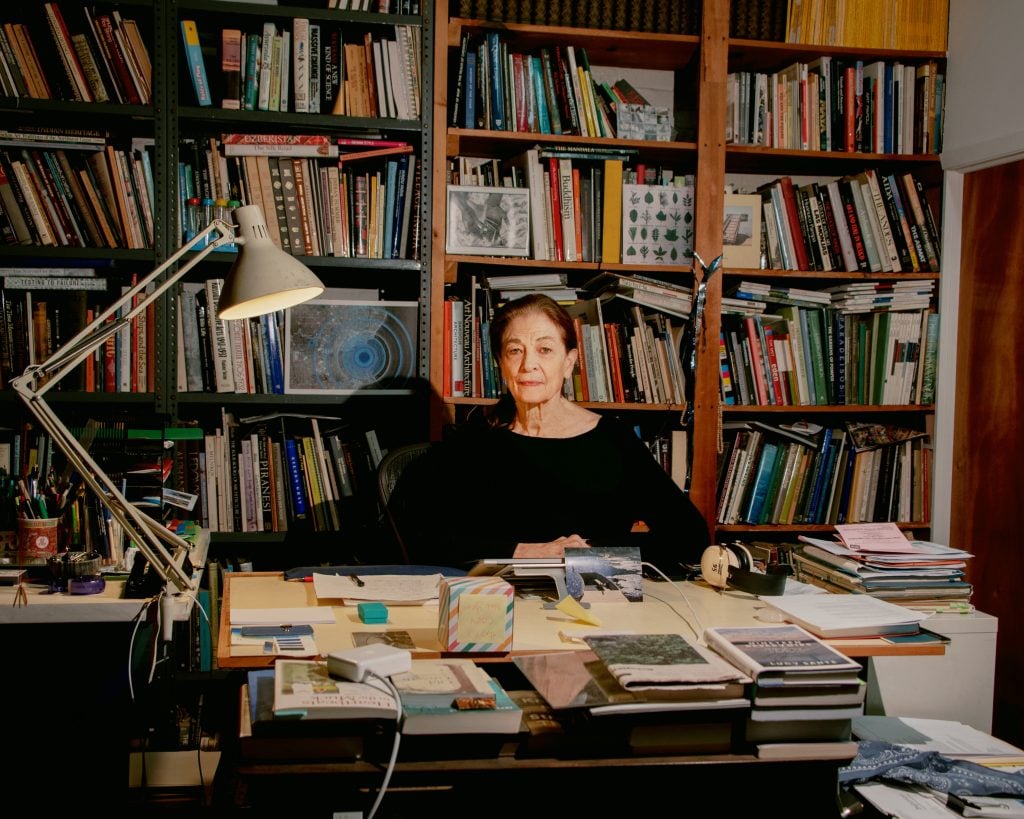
x: 640, y: 694
x: 805, y: 693
x: 917, y: 574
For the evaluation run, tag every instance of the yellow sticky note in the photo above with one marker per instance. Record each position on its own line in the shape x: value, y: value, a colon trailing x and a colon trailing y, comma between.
x: 567, y: 605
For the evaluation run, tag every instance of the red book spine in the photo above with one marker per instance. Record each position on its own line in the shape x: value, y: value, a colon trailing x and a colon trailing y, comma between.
x: 789, y: 196
x: 757, y: 361
x: 556, y: 209
x: 612, y: 338
x: 120, y: 66
x: 850, y: 109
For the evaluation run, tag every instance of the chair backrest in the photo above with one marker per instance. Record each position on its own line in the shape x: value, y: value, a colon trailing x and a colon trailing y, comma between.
x: 392, y: 466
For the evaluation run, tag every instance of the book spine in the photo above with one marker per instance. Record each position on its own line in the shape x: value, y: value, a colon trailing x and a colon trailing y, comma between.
x: 193, y: 55
x: 300, y: 64
x: 231, y: 68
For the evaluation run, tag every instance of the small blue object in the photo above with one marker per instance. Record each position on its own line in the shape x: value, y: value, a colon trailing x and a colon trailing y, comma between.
x: 373, y: 612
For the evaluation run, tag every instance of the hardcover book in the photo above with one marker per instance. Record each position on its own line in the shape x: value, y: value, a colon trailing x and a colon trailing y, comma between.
x: 503, y: 717
x: 785, y: 651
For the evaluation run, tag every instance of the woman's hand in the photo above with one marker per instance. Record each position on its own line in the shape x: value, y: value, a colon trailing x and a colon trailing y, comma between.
x: 554, y: 548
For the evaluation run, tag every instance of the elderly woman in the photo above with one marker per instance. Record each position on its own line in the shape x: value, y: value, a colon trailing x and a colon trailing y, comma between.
x: 544, y: 472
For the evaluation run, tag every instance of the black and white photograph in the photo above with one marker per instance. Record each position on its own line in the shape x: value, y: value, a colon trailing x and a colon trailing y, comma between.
x: 341, y: 347
x: 488, y: 221
x: 741, y: 231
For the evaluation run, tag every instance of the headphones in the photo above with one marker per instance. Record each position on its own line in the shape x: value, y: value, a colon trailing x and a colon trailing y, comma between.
x: 733, y: 567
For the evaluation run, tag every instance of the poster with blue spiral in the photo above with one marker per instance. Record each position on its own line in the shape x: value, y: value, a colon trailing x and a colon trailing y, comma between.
x: 343, y: 347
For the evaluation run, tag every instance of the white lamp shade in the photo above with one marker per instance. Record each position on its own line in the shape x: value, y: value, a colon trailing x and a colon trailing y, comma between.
x: 263, y: 278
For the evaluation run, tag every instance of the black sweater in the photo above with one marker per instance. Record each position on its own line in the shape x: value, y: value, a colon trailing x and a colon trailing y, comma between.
x: 486, y: 490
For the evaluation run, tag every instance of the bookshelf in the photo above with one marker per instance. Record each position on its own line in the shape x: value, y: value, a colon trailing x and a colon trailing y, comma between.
x: 704, y: 62
x: 184, y: 143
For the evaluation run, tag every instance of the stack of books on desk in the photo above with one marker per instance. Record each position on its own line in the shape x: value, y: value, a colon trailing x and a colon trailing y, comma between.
x: 917, y: 574
x: 642, y: 694
x: 804, y: 691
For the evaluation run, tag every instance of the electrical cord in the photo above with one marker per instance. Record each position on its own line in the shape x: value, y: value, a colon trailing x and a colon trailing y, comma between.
x: 698, y: 633
x: 394, y: 748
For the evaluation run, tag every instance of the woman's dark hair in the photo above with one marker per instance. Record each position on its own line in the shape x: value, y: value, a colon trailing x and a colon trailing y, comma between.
x: 502, y: 413
x: 523, y: 306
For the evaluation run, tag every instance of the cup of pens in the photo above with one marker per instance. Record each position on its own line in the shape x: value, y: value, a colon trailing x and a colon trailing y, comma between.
x: 37, y: 539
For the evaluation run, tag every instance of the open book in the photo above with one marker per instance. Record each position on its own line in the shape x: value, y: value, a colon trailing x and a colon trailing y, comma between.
x: 303, y: 689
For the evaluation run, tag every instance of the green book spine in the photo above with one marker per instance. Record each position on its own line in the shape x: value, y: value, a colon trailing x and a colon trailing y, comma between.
x: 880, y: 345
x: 819, y: 370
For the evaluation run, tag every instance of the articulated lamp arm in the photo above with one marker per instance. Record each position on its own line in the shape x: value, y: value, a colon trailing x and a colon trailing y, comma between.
x: 165, y: 550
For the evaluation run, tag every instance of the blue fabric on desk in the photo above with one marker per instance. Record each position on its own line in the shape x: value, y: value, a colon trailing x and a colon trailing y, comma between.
x: 899, y: 763
x: 398, y: 568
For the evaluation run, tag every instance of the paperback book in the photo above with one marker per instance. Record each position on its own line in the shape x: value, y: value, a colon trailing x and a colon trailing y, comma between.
x: 303, y: 689
x: 661, y: 662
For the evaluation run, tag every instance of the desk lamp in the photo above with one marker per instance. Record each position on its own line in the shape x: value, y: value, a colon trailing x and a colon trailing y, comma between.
x: 262, y: 280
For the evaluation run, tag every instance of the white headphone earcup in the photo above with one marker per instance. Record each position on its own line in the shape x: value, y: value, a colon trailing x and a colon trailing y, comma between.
x: 715, y: 563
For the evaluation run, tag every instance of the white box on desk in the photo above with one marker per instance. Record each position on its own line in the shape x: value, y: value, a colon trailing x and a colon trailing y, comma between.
x: 958, y: 685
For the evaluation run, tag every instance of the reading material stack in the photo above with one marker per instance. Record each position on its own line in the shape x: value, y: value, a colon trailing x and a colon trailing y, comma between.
x: 918, y: 574
x: 804, y: 691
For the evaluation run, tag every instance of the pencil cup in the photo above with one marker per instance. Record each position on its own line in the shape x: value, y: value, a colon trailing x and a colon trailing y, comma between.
x: 37, y: 539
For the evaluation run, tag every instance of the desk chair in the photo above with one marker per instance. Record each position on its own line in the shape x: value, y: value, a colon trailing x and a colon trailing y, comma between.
x: 396, y: 505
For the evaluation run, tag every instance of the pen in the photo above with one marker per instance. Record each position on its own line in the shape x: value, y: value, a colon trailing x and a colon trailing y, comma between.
x: 357, y: 580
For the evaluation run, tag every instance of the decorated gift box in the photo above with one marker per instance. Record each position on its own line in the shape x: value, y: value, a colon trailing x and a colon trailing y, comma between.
x: 475, y: 614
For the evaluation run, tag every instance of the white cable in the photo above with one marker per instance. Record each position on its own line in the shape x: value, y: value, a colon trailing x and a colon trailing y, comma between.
x: 699, y: 634
x: 394, y: 748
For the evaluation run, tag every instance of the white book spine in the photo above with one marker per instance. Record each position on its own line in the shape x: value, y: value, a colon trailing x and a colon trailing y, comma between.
x: 300, y: 64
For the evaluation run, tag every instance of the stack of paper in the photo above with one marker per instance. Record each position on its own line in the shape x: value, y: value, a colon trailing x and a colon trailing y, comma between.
x: 878, y: 560
x: 846, y: 615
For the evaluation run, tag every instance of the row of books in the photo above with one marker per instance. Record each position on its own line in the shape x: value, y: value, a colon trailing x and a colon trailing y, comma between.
x: 313, y: 207
x: 758, y: 19
x: 38, y: 314
x: 663, y: 16
x: 869, y: 222
x: 626, y: 354
x: 582, y: 208
x: 801, y: 356
x: 88, y: 57
x: 549, y: 91
x: 226, y: 356
x: 311, y: 68
x: 775, y: 475
x: 275, y: 474
x: 917, y: 25
x: 829, y: 104
x: 75, y: 191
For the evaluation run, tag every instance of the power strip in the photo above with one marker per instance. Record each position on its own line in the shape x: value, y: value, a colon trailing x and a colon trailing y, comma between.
x: 355, y: 663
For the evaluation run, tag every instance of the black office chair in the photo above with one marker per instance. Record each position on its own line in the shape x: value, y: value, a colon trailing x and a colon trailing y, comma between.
x: 396, y: 505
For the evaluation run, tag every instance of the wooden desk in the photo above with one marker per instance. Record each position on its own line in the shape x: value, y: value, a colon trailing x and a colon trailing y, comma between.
x: 508, y: 783
x: 536, y: 629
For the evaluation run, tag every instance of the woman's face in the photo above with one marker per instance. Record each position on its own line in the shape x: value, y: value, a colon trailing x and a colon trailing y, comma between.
x: 534, y: 360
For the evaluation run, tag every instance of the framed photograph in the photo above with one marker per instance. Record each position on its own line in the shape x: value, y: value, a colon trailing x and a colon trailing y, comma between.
x: 741, y: 231
x: 343, y: 347
x: 485, y: 221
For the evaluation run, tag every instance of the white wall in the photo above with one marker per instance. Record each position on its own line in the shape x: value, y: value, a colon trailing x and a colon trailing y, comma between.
x: 984, y: 117
x: 984, y: 126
